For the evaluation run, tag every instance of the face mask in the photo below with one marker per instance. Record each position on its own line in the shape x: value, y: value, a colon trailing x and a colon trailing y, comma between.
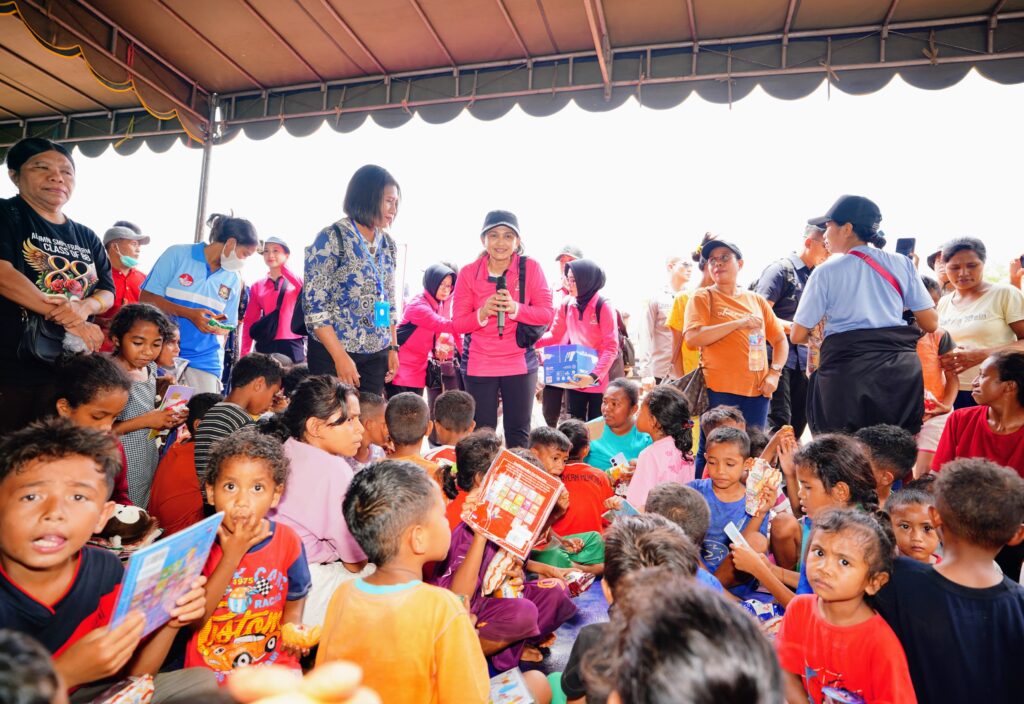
x: 130, y: 262
x: 231, y: 262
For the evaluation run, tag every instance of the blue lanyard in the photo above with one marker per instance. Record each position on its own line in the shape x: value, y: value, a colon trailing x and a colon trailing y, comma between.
x: 373, y: 259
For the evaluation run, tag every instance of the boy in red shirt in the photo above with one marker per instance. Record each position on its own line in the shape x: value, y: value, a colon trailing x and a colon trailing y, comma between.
x: 588, y: 486
x: 175, y: 500
x: 453, y: 420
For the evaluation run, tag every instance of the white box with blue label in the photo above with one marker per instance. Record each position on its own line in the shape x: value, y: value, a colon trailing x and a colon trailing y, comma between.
x: 563, y: 362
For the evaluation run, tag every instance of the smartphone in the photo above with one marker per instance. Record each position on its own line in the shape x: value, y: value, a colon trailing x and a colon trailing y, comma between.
x: 905, y: 245
x: 1022, y: 260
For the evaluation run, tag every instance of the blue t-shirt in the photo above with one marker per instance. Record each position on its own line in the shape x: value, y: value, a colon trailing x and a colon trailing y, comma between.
x: 853, y: 296
x: 182, y: 276
x: 715, y: 547
x: 709, y: 580
x: 609, y: 444
x: 804, y: 586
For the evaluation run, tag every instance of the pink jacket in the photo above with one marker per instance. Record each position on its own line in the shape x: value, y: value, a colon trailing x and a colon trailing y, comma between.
x: 431, y: 319
x: 263, y: 300
x: 311, y: 504
x: 603, y: 336
x: 659, y: 463
x: 486, y: 353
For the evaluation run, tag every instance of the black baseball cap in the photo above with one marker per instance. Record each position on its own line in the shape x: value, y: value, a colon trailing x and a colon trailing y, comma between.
x: 856, y: 210
x: 712, y: 245
x: 496, y: 218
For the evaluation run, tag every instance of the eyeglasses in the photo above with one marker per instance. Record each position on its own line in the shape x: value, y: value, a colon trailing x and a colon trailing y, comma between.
x: 722, y: 259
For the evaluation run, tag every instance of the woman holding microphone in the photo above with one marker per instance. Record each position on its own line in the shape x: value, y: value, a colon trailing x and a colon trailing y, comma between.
x: 496, y: 295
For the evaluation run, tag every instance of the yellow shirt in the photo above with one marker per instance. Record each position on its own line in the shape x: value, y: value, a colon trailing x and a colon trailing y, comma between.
x: 677, y: 322
x: 726, y: 369
x: 414, y: 641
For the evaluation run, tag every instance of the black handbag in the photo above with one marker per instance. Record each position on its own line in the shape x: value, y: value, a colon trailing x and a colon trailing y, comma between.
x: 264, y: 330
x: 526, y: 335
x: 435, y: 378
x: 41, y: 340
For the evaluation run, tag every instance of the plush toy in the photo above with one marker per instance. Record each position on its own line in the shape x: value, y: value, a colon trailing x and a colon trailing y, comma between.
x: 129, y: 529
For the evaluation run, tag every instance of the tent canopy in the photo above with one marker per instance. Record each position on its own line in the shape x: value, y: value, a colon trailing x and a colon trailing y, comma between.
x: 101, y: 72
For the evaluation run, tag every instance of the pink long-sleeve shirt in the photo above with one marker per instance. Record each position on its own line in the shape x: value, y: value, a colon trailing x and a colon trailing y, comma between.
x: 658, y: 463
x: 263, y: 301
x: 311, y: 504
x: 487, y: 354
x: 603, y: 336
x: 431, y: 318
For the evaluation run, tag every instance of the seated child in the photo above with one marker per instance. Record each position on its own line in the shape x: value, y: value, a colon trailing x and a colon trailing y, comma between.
x: 26, y: 672
x: 93, y: 392
x: 633, y: 544
x: 892, y: 452
x: 588, y: 486
x: 573, y: 551
x: 961, y: 622
x: 706, y: 648
x: 714, y: 418
x: 453, y: 420
x: 258, y: 577
x: 55, y: 480
x: 684, y: 506
x: 619, y: 434
x: 138, y: 332
x: 375, y: 431
x: 832, y: 472
x: 175, y: 498
x: 728, y: 457
x: 408, y: 421
x: 293, y: 376
x: 510, y: 629
x: 473, y: 457
x: 255, y: 379
x: 916, y: 537
x: 833, y: 638
x: 414, y: 642
x: 665, y: 416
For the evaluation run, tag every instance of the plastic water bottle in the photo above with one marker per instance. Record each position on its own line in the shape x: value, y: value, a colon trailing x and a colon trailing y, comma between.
x: 757, y: 352
x: 74, y: 344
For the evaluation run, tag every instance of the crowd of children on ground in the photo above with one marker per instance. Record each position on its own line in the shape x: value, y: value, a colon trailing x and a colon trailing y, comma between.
x: 875, y: 565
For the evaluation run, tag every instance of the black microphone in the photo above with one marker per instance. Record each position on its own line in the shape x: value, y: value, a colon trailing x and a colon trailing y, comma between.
x: 501, y: 286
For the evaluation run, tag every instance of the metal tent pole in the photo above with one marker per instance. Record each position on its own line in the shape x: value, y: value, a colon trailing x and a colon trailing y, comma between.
x: 204, y: 176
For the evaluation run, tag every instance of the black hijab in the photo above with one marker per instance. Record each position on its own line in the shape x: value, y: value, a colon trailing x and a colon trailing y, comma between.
x: 589, y: 280
x: 434, y: 275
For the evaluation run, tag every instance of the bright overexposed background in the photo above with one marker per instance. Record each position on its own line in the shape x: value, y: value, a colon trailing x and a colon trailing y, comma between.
x: 630, y: 186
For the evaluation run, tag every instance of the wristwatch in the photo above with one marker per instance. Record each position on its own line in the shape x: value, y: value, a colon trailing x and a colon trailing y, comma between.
x: 778, y: 369
x: 392, y: 348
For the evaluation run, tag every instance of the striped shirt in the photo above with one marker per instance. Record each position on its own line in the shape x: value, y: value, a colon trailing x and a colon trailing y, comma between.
x: 221, y: 421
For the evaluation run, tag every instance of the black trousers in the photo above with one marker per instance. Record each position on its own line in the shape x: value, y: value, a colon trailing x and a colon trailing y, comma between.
x: 372, y: 366
x: 583, y: 405
x: 393, y: 390
x: 789, y: 402
x: 292, y: 349
x: 552, y: 401
x: 516, y: 400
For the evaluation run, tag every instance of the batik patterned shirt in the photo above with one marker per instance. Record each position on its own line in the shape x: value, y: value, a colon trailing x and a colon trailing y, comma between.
x: 343, y: 281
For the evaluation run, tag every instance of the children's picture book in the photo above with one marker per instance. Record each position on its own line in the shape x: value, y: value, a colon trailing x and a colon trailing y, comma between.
x: 175, y: 397
x: 516, y: 499
x: 157, y: 576
x: 626, y: 509
x: 510, y: 688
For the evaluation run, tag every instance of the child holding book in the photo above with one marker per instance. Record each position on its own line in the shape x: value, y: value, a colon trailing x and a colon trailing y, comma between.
x: 258, y: 577
x: 473, y: 457
x: 138, y: 332
x: 453, y: 420
x: 583, y: 551
x: 414, y: 642
x: 55, y: 480
x: 833, y: 639
x: 93, y: 391
x: 916, y: 535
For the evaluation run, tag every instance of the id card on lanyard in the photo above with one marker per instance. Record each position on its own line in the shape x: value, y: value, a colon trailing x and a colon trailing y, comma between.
x: 382, y: 306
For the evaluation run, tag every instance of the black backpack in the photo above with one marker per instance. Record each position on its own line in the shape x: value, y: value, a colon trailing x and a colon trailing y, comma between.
x: 791, y: 286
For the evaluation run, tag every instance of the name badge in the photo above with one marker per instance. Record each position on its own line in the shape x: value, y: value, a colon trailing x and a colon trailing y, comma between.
x: 382, y: 314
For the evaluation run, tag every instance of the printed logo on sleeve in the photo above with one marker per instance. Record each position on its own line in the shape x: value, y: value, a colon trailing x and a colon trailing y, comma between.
x: 224, y: 292
x: 185, y: 280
